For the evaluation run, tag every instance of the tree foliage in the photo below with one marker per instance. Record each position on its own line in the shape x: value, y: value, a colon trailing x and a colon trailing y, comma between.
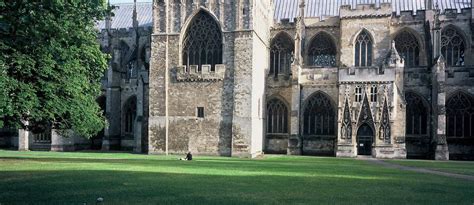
x: 51, y: 65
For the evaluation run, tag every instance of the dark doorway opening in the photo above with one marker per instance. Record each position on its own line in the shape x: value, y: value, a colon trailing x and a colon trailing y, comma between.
x: 365, y: 138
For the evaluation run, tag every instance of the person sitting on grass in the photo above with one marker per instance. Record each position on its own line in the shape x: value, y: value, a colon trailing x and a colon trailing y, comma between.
x: 188, y: 157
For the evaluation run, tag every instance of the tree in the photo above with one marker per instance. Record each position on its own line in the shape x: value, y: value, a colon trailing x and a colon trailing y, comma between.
x: 51, y: 65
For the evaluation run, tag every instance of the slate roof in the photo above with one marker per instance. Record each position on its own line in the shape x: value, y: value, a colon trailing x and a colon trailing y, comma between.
x: 289, y: 9
x: 123, y: 14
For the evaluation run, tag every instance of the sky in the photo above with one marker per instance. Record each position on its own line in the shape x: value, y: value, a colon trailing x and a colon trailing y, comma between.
x: 127, y: 1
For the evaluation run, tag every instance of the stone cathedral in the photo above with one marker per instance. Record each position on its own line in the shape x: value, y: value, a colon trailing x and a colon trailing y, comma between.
x: 384, y: 78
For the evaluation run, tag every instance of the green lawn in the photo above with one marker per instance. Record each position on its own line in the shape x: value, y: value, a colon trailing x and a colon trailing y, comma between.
x: 74, y: 178
x: 458, y: 167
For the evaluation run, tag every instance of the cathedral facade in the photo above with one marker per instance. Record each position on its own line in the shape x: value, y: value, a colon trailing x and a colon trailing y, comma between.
x: 384, y: 78
x: 388, y: 78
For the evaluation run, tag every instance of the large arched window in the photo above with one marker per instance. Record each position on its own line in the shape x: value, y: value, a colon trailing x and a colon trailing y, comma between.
x: 416, y: 115
x: 322, y: 51
x: 319, y: 116
x: 277, y: 117
x: 130, y: 110
x: 408, y: 47
x: 202, y: 43
x: 460, y: 115
x: 363, y: 49
x: 452, y: 47
x: 281, y: 54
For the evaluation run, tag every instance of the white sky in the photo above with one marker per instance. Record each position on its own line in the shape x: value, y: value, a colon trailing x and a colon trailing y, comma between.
x: 127, y: 1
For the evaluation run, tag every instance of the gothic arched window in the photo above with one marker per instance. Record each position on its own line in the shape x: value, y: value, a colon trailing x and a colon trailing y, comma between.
x: 277, y: 117
x: 452, y: 47
x: 416, y: 115
x: 202, y: 43
x: 130, y: 110
x: 408, y: 47
x: 281, y: 54
x: 319, y: 116
x: 460, y: 116
x: 322, y: 51
x: 363, y: 49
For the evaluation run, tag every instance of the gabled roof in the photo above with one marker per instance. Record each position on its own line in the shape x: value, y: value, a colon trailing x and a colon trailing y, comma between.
x: 289, y: 9
x: 123, y: 14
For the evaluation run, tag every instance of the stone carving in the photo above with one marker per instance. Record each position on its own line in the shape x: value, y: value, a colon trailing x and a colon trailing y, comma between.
x: 384, y: 130
x: 346, y: 130
x: 365, y: 115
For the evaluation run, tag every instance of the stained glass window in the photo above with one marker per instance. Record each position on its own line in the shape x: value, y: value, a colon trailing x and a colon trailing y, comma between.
x: 202, y: 43
x: 322, y: 51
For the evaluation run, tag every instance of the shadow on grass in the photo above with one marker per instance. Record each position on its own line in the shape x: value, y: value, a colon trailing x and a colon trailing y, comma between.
x: 220, y: 181
x: 125, y: 187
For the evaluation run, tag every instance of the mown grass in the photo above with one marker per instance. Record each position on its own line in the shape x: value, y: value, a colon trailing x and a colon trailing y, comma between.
x: 75, y: 178
x: 458, y: 167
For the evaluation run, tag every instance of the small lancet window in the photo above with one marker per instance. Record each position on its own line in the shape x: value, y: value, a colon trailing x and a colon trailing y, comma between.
x: 363, y: 50
x: 373, y: 93
x: 358, y: 93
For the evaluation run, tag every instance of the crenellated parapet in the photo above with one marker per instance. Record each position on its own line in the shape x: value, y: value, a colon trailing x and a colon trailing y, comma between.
x: 205, y: 73
x: 366, y: 11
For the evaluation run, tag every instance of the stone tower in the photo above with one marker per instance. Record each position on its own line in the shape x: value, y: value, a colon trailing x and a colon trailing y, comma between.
x: 207, y: 68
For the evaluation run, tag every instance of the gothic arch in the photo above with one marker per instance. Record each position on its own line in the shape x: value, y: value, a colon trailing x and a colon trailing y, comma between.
x: 125, y: 53
x: 281, y: 53
x: 364, y: 45
x: 408, y: 40
x: 353, y: 38
x: 213, y: 21
x: 365, y: 114
x: 454, y: 45
x: 322, y: 44
x: 129, y: 114
x: 277, y: 116
x: 319, y: 115
x: 460, y: 115
x: 417, y: 115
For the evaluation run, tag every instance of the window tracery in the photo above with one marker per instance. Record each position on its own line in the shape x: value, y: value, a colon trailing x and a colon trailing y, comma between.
x: 385, y: 124
x: 346, y: 130
x: 277, y: 117
x: 363, y: 49
x: 408, y: 47
x: 460, y: 116
x: 202, y: 43
x: 281, y: 55
x: 319, y: 116
x: 322, y: 51
x: 452, y: 47
x: 416, y: 115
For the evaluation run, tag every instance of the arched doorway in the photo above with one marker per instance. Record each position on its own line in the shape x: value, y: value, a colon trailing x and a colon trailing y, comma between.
x: 365, y: 138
